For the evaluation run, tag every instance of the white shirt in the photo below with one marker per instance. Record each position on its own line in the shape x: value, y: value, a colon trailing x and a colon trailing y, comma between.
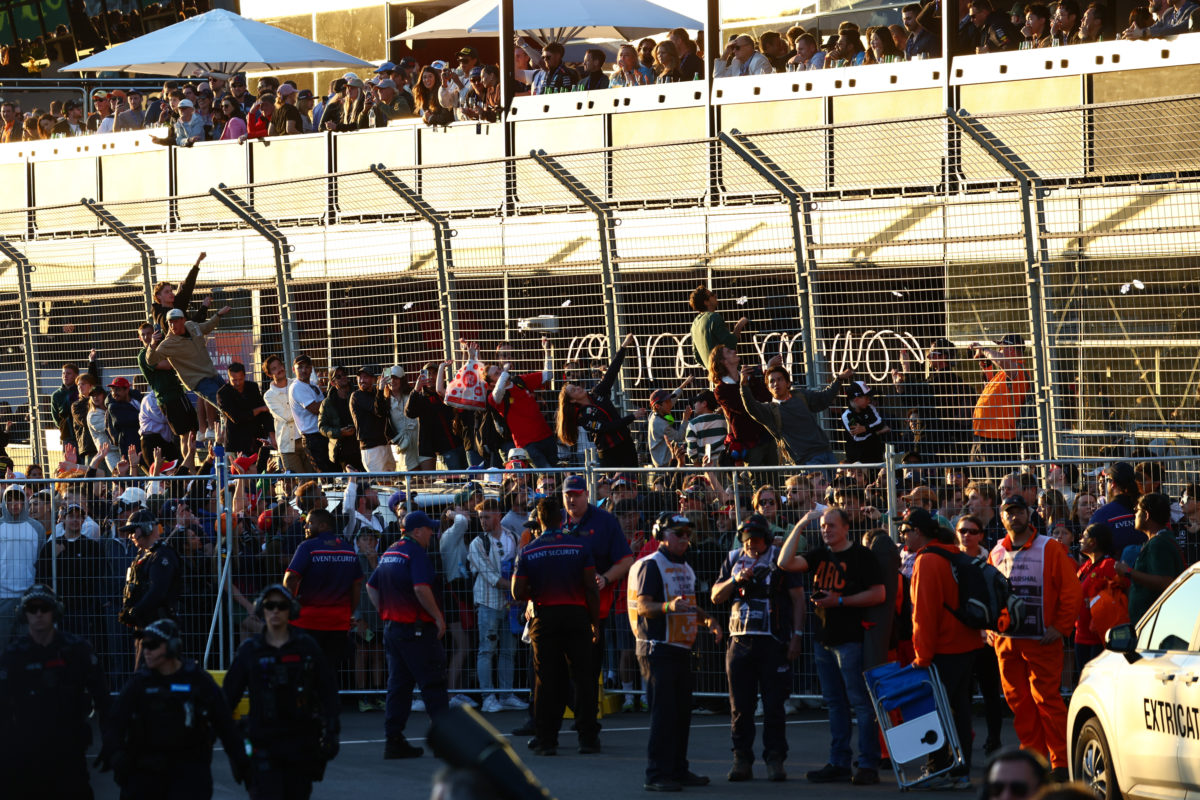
x: 299, y: 396
x: 280, y: 406
x: 19, y: 544
x: 758, y: 65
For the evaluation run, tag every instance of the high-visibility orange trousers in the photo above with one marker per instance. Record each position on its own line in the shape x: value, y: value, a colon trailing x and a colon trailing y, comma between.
x: 1031, y: 674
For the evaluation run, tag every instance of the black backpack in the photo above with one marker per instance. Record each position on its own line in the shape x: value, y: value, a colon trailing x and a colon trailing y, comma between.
x: 984, y: 594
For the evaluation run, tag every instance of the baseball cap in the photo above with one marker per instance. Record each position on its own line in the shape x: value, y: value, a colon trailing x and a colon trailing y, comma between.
x: 396, y: 372
x: 469, y: 52
x: 622, y: 479
x: 755, y: 525
x: 355, y: 81
x: 920, y: 493
x: 438, y: 65
x: 397, y: 497
x: 943, y: 346
x: 175, y: 313
x: 1011, y: 340
x: 859, y: 389
x: 133, y: 496
x: 418, y: 519
x: 117, y: 93
x: 120, y: 383
x: 408, y: 62
x: 302, y: 359
x: 185, y: 103
x: 1014, y: 501
x: 386, y: 66
x: 476, y: 72
x: 574, y: 485
x: 387, y: 83
x: 67, y: 106
x: 142, y: 521
x: 244, y: 463
x: 99, y: 94
x: 920, y: 519
x: 286, y: 89
x: 659, y: 396
x: 305, y: 94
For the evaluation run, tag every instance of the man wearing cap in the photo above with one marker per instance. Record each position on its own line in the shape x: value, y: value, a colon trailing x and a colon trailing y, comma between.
x: 78, y: 563
x: 325, y: 577
x: 154, y: 579
x: 939, y: 638
x: 168, y: 392
x: 185, y: 349
x: 557, y: 573
x: 20, y: 538
x: 189, y: 128
x: 294, y: 720
x: 1000, y: 404
x: 391, y: 105
x: 1118, y: 513
x: 304, y: 104
x: 766, y: 623
x: 1030, y: 651
x: 50, y: 682
x: 370, y: 413
x: 401, y: 588
x: 305, y: 399
x: 847, y: 580
x: 158, y: 738
x: 134, y: 117
x: 337, y: 424
x: 249, y: 420
x: 608, y: 548
x: 405, y: 429
x: 664, y: 616
x: 66, y: 395
x: 103, y: 114
x: 72, y: 123
x: 121, y: 421
x: 343, y: 111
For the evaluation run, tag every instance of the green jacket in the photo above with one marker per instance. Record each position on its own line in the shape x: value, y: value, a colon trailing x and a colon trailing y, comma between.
x: 708, y: 331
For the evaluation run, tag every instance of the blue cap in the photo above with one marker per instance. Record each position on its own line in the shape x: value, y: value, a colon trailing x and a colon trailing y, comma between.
x: 396, y: 499
x: 386, y: 66
x: 573, y: 484
x: 418, y: 519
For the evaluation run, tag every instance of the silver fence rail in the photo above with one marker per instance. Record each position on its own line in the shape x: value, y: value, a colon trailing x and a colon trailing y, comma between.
x: 235, y: 536
x: 854, y: 245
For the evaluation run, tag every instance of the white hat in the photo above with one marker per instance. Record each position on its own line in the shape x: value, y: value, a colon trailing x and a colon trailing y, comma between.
x: 133, y: 496
x: 396, y: 372
x: 354, y: 81
x: 438, y: 65
x: 185, y: 103
x: 175, y: 313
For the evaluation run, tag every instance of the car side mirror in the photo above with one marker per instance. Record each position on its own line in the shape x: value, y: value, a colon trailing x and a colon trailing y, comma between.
x: 1122, y: 639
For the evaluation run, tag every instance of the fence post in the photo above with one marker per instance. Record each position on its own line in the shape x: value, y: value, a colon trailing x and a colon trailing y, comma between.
x: 37, y: 441
x: 145, y: 251
x: 244, y: 211
x: 608, y: 244
x: 800, y: 205
x: 1033, y: 223
x: 442, y: 234
x: 893, y: 498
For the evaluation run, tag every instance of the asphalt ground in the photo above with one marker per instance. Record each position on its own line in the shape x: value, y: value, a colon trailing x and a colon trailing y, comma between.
x: 617, y: 772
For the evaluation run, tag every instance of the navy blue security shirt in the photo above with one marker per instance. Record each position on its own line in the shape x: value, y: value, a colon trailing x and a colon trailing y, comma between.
x: 607, y: 543
x: 328, y: 569
x: 402, y: 567
x: 1117, y: 515
x: 553, y: 564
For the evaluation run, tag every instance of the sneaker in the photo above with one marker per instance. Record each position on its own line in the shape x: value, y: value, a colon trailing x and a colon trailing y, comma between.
x: 365, y: 706
x: 627, y: 707
x: 701, y: 711
x: 462, y: 700
x: 398, y: 747
x: 758, y: 710
x: 514, y: 703
x: 692, y: 779
x: 792, y: 707
x: 418, y: 704
x: 491, y: 705
x: 775, y: 771
x: 828, y: 774
x: 662, y: 786
x: 380, y: 703
x: 210, y: 435
x: 946, y: 783
x: 865, y: 776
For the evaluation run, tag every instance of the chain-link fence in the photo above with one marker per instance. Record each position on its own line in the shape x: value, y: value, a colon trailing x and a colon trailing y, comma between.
x: 890, y: 247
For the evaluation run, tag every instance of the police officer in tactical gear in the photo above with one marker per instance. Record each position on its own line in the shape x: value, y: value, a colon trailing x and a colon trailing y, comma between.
x: 765, y: 626
x: 153, y: 581
x: 292, y: 728
x: 158, y: 738
x: 50, y: 681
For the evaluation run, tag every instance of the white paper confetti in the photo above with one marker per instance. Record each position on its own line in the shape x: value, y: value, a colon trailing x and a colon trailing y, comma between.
x: 897, y: 294
x: 741, y: 301
x: 566, y: 303
x: 407, y: 306
x: 1125, y: 289
x: 1138, y: 284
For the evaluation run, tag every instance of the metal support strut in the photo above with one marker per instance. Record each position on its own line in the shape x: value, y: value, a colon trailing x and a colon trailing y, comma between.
x: 1033, y: 223
x: 145, y: 251
x: 37, y: 442
x: 442, y: 234
x: 283, y: 262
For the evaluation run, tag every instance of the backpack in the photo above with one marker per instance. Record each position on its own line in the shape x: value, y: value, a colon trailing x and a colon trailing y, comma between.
x: 986, y: 601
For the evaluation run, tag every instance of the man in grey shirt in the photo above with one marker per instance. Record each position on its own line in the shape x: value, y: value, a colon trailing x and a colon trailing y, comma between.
x: 793, y: 417
x: 133, y: 118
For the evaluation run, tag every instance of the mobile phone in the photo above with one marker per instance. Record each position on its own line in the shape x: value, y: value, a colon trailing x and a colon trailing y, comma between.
x: 819, y: 594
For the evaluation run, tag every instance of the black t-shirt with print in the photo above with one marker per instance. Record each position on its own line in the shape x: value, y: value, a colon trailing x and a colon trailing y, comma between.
x: 846, y: 572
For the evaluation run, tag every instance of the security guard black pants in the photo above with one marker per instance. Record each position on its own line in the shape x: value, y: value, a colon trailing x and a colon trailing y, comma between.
x: 279, y: 779
x: 757, y: 664
x: 562, y: 651
x: 667, y: 676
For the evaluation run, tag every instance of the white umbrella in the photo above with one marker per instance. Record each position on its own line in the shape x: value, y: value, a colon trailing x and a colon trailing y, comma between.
x: 218, y: 42
x: 555, y: 20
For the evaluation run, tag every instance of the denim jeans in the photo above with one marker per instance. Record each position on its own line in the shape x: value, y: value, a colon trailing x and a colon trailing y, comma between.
x: 207, y: 388
x: 495, y: 638
x: 839, y: 669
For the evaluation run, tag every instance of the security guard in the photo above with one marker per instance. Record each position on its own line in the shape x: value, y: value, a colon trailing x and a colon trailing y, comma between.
x: 325, y: 577
x: 401, y: 588
x: 293, y: 726
x: 158, y: 739
x: 556, y: 571
x: 762, y: 639
x: 664, y: 615
x: 50, y: 681
x: 153, y: 581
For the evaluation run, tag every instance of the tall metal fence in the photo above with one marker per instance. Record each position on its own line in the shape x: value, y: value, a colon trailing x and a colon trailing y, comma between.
x: 849, y: 245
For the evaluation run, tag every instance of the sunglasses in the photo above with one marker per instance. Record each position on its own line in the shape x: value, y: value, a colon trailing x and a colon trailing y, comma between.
x: 972, y: 531
x: 275, y: 605
x: 39, y: 608
x: 1015, y: 788
x: 152, y: 642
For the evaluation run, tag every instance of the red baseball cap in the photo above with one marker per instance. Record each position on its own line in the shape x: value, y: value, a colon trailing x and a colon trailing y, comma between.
x: 120, y: 383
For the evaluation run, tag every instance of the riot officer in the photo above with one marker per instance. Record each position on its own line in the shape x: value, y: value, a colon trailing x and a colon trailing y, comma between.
x: 152, y: 582
x: 158, y: 739
x: 293, y: 725
x: 49, y: 683
x: 762, y: 639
